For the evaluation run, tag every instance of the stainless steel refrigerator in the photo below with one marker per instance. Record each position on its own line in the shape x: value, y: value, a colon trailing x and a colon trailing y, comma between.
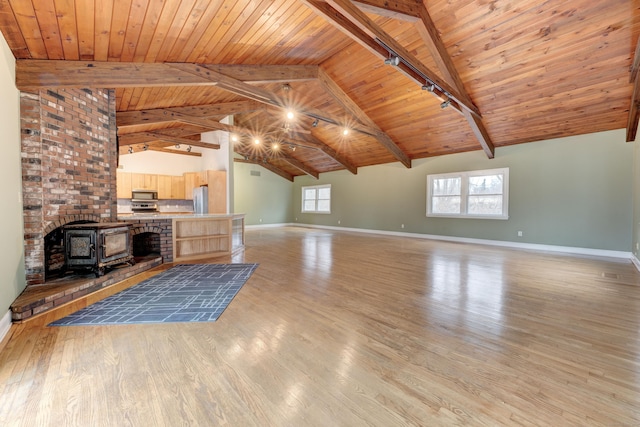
x: 201, y: 200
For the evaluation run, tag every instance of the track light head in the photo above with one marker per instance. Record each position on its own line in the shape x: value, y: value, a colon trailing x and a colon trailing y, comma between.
x: 315, y: 123
x: 392, y: 60
x: 188, y: 149
x: 429, y: 87
x: 445, y: 104
x: 130, y: 150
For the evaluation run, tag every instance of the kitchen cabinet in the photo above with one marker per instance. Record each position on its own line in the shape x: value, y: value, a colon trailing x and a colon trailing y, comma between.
x: 193, y: 180
x: 164, y: 187
x: 123, y: 185
x: 177, y: 187
x: 170, y: 187
x: 144, y: 181
x: 217, y: 183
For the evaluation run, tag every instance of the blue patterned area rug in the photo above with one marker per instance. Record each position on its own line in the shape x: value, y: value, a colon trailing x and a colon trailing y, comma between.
x: 183, y: 293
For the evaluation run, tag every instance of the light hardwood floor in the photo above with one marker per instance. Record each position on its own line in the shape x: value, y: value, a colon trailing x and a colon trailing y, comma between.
x: 347, y: 329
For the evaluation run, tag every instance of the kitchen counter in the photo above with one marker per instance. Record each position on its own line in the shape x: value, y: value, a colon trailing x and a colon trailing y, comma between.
x: 171, y: 215
x: 194, y: 236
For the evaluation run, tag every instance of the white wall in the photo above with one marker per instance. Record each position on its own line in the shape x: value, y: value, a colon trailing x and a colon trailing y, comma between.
x: 12, y: 276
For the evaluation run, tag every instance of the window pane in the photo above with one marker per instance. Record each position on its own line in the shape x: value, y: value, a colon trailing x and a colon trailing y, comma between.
x: 485, y: 205
x: 488, y: 184
x: 445, y: 205
x: 324, y: 193
x: 324, y: 206
x: 309, y: 205
x: 309, y: 193
x: 446, y: 186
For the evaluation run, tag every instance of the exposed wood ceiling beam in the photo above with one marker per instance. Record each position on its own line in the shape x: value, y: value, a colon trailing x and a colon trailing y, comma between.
x: 429, y: 33
x: 348, y: 104
x: 634, y: 108
x: 37, y: 74
x: 166, y: 115
x: 299, y: 165
x: 397, y: 9
x: 636, y: 63
x: 268, y: 73
x: 357, y: 25
x: 279, y: 155
x: 312, y: 141
x: 353, y: 22
x: 147, y: 137
x: 155, y: 146
x: 267, y: 166
x: 263, y: 95
x: 171, y: 151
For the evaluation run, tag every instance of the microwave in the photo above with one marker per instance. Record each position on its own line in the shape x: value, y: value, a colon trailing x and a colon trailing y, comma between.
x: 144, y: 195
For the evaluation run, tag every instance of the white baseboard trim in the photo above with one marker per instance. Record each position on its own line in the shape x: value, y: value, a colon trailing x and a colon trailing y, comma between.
x: 258, y: 226
x: 5, y: 325
x: 635, y: 261
x: 528, y: 246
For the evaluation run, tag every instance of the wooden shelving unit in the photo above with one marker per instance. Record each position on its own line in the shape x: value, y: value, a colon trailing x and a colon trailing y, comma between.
x: 205, y: 237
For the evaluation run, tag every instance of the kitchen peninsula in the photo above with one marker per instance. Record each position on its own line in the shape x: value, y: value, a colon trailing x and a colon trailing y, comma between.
x: 191, y: 236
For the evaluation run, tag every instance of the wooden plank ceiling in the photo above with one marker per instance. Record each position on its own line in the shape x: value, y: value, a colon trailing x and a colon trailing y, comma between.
x: 505, y: 71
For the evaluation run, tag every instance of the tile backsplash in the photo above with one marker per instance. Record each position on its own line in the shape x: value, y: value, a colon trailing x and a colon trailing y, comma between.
x: 164, y: 206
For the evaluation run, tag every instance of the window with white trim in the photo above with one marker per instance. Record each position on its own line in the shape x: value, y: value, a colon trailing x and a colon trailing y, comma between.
x: 316, y: 199
x: 470, y: 194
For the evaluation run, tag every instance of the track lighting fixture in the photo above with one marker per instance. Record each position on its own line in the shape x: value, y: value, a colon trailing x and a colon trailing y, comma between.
x: 145, y: 147
x: 275, y: 146
x: 429, y: 87
x: 178, y: 146
x: 290, y: 115
x: 292, y: 147
x: 445, y: 104
x: 392, y: 60
x: 345, y: 131
x: 315, y: 123
x: 188, y: 149
x: 256, y: 141
x: 130, y: 150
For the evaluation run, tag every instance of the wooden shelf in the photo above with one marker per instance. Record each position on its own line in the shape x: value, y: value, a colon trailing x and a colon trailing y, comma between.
x: 195, y: 238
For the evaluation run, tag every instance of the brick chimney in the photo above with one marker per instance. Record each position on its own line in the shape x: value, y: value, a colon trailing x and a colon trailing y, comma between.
x: 69, y: 161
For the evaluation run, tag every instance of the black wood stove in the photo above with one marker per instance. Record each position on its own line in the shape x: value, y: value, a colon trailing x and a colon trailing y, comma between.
x: 97, y: 245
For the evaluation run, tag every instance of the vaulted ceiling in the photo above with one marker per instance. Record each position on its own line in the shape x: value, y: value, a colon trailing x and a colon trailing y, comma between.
x: 408, y: 79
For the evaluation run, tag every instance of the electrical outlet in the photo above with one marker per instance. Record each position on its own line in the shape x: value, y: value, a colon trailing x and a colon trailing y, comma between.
x: 519, y: 233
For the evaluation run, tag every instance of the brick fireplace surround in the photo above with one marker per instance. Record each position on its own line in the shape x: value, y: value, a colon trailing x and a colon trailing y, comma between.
x: 69, y: 162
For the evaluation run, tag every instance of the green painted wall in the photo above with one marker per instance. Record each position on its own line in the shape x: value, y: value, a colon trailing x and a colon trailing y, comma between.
x: 574, y: 191
x: 12, y: 278
x: 636, y: 199
x: 265, y: 199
